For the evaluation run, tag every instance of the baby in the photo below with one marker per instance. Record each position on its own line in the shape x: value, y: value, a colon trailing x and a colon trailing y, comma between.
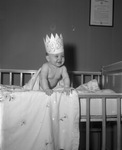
x: 53, y: 72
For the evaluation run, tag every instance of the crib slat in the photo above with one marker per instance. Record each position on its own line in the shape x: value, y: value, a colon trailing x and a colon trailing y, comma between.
x: 72, y: 77
x: 104, y: 123
x: 10, y: 78
x: 92, y: 77
x: 82, y: 78
x: 119, y: 124
x: 32, y: 74
x: 21, y: 79
x: 0, y: 77
x: 87, y: 123
x: 98, y: 78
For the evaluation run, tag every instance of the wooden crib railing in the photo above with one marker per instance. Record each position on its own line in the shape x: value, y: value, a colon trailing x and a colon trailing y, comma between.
x: 7, y: 76
x: 103, y: 118
x: 85, y: 76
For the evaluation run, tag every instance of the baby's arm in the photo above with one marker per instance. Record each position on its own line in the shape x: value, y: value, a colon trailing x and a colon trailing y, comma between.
x: 66, y: 80
x: 65, y: 77
x: 44, y: 81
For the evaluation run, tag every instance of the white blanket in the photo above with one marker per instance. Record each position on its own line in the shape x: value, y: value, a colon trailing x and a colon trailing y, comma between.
x: 34, y: 121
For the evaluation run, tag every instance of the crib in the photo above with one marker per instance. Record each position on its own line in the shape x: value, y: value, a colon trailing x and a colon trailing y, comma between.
x: 109, y: 105
x: 20, y: 77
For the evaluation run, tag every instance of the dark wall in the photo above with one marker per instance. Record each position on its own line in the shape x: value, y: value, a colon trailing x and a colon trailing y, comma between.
x: 24, y: 23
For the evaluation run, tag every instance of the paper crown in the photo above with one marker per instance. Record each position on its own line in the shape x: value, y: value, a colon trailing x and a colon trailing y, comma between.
x: 54, y: 45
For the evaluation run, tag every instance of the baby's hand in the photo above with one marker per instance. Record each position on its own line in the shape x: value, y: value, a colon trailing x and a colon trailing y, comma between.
x: 68, y: 90
x: 48, y: 92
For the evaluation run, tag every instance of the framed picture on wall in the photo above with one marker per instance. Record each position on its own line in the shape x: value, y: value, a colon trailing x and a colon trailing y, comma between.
x: 101, y: 12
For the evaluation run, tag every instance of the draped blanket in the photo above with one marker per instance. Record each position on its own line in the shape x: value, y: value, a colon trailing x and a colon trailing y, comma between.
x: 31, y: 120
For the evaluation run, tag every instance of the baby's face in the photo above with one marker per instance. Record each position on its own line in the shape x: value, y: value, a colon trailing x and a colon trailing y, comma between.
x: 56, y: 59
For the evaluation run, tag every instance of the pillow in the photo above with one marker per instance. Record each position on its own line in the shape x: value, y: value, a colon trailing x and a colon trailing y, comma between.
x: 91, y: 86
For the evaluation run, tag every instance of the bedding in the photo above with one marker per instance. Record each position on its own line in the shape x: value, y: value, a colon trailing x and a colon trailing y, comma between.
x: 92, y: 87
x: 31, y: 120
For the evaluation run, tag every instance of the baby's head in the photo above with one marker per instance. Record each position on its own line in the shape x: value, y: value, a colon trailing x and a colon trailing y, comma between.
x: 54, y: 49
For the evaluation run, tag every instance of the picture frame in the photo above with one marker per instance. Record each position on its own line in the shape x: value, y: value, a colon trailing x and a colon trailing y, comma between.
x: 101, y: 13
